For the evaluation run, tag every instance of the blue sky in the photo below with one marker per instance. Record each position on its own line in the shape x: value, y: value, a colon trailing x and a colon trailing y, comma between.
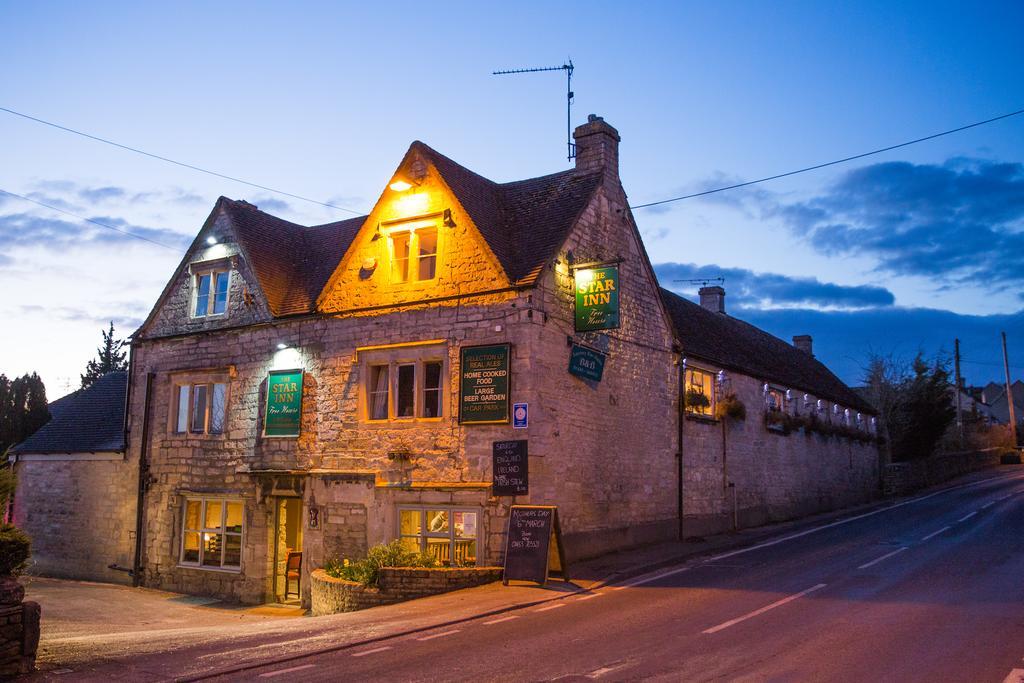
x: 323, y: 99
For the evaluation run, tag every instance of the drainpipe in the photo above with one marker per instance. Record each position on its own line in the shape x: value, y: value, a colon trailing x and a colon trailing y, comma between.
x: 140, y: 504
x: 681, y: 363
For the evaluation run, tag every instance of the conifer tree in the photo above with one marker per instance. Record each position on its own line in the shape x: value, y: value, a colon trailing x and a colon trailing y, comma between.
x: 109, y: 358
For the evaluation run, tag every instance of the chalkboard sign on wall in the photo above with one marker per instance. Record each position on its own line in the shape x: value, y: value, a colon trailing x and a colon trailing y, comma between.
x: 511, y: 468
x: 532, y: 531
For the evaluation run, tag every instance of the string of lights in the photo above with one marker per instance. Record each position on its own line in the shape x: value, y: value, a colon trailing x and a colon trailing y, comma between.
x: 180, y: 163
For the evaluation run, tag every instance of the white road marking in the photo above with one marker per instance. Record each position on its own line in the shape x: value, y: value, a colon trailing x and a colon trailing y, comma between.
x: 370, y: 652
x: 967, y: 516
x: 883, y: 557
x: 1015, y: 676
x: 498, y: 621
x: 757, y: 612
x: 988, y: 504
x: 590, y: 596
x: 554, y: 606
x: 597, y: 673
x: 934, y: 534
x: 271, y: 674
x: 442, y: 634
x: 806, y: 532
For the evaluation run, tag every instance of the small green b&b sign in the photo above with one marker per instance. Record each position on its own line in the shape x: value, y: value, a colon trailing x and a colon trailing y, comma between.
x: 597, y: 298
x: 284, y: 403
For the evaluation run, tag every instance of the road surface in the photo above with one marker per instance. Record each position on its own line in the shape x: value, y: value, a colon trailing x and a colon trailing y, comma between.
x: 930, y: 590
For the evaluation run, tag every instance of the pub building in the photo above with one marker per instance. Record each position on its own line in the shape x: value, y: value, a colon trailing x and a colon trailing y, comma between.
x: 322, y: 389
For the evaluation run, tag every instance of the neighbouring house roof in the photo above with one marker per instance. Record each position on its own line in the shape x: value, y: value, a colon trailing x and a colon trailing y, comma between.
x: 733, y: 344
x: 90, y: 420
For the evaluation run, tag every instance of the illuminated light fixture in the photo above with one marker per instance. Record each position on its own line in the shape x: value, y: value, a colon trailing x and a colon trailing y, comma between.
x: 281, y: 346
x: 584, y: 276
x: 211, y: 240
x: 399, y: 185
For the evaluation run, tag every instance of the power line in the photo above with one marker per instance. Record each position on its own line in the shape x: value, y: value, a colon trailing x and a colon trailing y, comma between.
x: 91, y: 220
x: 179, y: 163
x: 830, y: 163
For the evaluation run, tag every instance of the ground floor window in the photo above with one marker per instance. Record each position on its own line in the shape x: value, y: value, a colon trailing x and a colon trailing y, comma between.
x: 449, y: 534
x: 700, y: 392
x: 212, y: 533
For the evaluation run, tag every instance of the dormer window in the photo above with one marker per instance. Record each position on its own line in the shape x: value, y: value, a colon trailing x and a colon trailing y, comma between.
x: 211, y: 292
x: 413, y: 250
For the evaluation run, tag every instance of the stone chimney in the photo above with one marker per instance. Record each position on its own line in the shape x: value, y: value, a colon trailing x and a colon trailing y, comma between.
x: 804, y: 343
x: 712, y: 298
x: 597, y: 146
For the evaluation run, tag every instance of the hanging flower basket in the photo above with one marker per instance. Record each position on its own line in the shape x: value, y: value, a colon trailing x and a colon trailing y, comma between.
x: 730, y: 407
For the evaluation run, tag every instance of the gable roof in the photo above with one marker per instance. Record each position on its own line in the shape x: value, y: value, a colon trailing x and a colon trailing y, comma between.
x: 90, y: 420
x: 736, y: 345
x: 523, y: 222
x: 292, y: 262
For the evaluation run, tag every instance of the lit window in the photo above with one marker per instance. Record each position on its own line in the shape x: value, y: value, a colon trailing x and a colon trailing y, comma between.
x: 211, y: 293
x: 200, y: 408
x: 212, y: 533
x: 700, y: 392
x: 404, y: 388
x: 413, y: 254
x: 446, y: 533
x: 776, y: 399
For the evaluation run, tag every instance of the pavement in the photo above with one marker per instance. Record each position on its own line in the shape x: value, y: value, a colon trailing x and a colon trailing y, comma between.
x: 628, y: 635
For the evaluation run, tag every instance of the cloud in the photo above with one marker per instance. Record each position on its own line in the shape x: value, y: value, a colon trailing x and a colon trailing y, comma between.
x: 845, y: 340
x: 30, y: 230
x: 126, y: 321
x: 772, y: 290
x: 100, y: 194
x: 956, y: 222
x: 271, y: 204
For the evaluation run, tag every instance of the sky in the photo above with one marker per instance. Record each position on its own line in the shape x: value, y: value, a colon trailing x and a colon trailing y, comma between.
x: 891, y: 254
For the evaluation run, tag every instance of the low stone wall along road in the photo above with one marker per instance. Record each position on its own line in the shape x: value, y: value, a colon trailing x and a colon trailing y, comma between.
x: 927, y: 590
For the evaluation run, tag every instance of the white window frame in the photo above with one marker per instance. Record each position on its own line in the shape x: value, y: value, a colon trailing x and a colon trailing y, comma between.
x: 191, y: 384
x: 212, y: 273
x: 419, y: 357
x: 414, y: 229
x: 204, y: 530
x: 450, y: 534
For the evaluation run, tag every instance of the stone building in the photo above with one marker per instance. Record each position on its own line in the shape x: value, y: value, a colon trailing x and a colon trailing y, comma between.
x: 323, y: 389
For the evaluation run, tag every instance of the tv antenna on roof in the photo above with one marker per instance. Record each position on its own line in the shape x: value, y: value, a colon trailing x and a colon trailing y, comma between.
x: 567, y: 68
x: 704, y: 282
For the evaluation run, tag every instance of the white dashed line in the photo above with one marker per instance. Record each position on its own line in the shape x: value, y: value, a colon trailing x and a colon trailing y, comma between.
x: 988, y: 504
x: 442, y: 634
x: 554, y: 606
x: 271, y: 674
x: 370, y: 652
x: 883, y: 557
x: 935, y: 533
x: 590, y: 596
x: 967, y: 516
x: 750, y: 615
x: 498, y: 621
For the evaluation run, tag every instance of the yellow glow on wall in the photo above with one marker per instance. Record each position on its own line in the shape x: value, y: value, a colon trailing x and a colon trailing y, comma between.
x: 584, y: 276
x: 413, y: 204
x: 399, y: 186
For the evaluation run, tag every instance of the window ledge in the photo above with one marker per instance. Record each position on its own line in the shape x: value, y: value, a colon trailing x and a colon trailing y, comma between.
x: 704, y: 419
x: 221, y: 570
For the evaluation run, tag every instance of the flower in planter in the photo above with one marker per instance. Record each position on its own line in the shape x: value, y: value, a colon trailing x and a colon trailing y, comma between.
x: 696, y: 399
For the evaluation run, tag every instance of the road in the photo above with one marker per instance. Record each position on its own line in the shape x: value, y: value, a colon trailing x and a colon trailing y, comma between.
x: 931, y: 590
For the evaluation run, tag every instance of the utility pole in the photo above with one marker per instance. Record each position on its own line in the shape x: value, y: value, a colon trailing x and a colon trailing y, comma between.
x: 1009, y: 394
x: 956, y: 369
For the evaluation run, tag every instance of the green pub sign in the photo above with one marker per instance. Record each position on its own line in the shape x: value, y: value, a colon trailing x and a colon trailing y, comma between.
x: 284, y: 403
x: 586, y: 363
x: 484, y: 384
x: 597, y: 298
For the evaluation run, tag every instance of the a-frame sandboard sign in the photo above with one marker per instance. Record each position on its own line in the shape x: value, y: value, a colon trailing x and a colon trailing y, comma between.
x: 533, y: 545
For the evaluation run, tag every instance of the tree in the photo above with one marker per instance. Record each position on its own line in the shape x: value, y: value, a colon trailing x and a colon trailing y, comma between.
x: 915, y: 404
x: 23, y: 408
x: 109, y: 358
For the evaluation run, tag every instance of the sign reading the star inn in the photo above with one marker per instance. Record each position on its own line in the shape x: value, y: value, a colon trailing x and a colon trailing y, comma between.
x: 597, y: 298
x: 284, y: 403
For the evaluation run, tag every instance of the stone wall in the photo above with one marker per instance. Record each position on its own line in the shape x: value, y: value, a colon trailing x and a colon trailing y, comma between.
x: 901, y: 478
x: 19, y: 630
x: 80, y: 515
x: 397, y: 584
x: 775, y: 476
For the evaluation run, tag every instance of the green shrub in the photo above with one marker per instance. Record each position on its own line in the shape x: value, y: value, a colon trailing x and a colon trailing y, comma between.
x: 367, y: 570
x: 15, y: 549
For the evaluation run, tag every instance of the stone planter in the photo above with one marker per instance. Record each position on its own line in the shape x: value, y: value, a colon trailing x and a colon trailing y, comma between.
x: 19, y: 629
x: 331, y: 595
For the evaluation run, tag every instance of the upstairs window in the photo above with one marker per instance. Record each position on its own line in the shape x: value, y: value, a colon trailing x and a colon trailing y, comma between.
x: 200, y: 408
x: 211, y: 293
x: 413, y: 252
x: 403, y: 383
x: 700, y: 392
